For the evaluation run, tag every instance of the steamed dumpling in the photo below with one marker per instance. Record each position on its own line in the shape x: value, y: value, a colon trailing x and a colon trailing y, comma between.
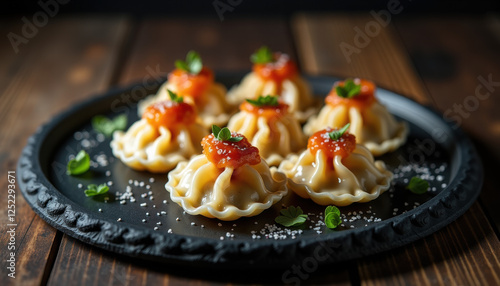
x: 270, y: 127
x: 336, y: 172
x: 199, y: 89
x: 371, y: 123
x: 276, y: 74
x: 227, y: 182
x: 166, y: 135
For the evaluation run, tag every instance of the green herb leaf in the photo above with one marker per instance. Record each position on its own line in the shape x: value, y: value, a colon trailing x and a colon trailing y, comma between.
x: 215, y: 130
x: 262, y: 56
x: 418, y: 186
x: 332, y: 217
x: 94, y: 190
x: 192, y: 65
x: 80, y: 164
x: 107, y: 126
x: 224, y: 134
x: 336, y: 134
x: 291, y: 216
x: 174, y: 97
x: 349, y: 90
x: 268, y: 100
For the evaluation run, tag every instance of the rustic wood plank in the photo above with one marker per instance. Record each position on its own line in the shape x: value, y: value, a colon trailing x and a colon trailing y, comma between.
x: 385, y: 61
x: 452, y: 256
x: 223, y: 46
x: 63, y: 63
x: 321, y: 38
x: 455, y: 56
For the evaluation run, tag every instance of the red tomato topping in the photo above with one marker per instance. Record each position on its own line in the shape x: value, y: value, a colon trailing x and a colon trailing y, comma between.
x: 321, y: 141
x: 266, y: 111
x: 189, y: 84
x: 364, y: 99
x: 230, y: 154
x: 279, y: 70
x: 170, y: 114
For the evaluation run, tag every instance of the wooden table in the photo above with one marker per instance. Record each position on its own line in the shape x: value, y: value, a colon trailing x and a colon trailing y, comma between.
x: 440, y: 61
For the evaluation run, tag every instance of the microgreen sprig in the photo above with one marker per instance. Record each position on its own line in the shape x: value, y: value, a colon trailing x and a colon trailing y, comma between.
x: 349, y: 90
x: 95, y: 190
x: 224, y: 134
x: 291, y: 216
x: 268, y: 100
x: 332, y: 217
x: 418, y: 186
x: 79, y: 165
x: 192, y: 65
x: 262, y: 56
x: 107, y: 126
x: 336, y: 134
x: 174, y: 97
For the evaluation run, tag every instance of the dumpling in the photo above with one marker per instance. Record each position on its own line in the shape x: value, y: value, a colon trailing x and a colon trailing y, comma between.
x: 334, y: 170
x: 270, y: 127
x: 228, y: 181
x: 166, y: 135
x: 275, y: 74
x: 371, y: 123
x: 196, y: 84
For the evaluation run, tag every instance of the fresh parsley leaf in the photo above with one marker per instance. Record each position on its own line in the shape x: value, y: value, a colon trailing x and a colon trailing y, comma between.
x: 268, y: 100
x: 332, y: 217
x: 336, y: 134
x: 107, y: 126
x: 80, y: 164
x: 224, y: 134
x: 262, y: 56
x: 94, y: 190
x: 215, y: 130
x: 418, y: 186
x: 291, y: 216
x: 349, y: 90
x: 174, y: 97
x: 192, y: 65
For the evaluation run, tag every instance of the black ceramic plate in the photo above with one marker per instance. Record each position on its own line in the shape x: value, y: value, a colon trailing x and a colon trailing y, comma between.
x: 151, y: 227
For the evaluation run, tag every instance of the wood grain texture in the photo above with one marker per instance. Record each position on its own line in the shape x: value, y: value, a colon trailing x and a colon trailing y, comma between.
x: 222, y: 45
x: 452, y: 256
x: 63, y: 63
x: 455, y: 57
x: 320, y: 38
x: 464, y: 253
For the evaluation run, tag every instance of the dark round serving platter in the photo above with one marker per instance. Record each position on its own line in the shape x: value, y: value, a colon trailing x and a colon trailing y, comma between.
x: 154, y: 228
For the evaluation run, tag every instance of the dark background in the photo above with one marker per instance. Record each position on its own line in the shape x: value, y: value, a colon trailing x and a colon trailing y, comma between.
x: 142, y: 8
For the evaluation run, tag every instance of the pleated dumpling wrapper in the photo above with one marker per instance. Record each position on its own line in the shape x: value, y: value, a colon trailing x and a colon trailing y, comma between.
x: 276, y: 73
x: 228, y: 181
x: 270, y: 127
x: 195, y: 82
x: 354, y: 102
x: 334, y: 170
x: 166, y: 134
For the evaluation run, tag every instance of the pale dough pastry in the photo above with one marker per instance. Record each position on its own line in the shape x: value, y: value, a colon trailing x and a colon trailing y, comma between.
x: 144, y: 147
x: 225, y: 193
x: 294, y: 91
x: 356, y: 178
x: 212, y: 106
x: 276, y: 138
